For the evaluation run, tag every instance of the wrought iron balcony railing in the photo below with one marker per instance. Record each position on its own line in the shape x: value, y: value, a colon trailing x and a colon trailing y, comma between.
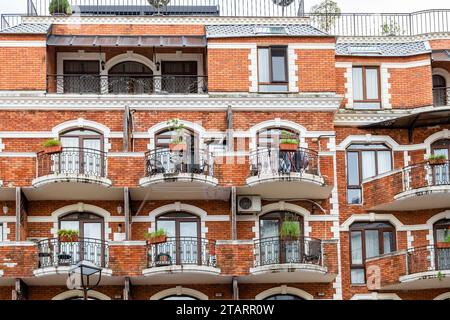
x: 73, y: 161
x: 429, y: 258
x: 165, y: 161
x: 276, y: 250
x: 182, y: 251
x: 127, y: 84
x: 425, y: 175
x: 56, y: 253
x: 441, y: 96
x: 273, y: 161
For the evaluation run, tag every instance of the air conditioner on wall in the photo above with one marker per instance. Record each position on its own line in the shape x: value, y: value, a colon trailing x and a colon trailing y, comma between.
x: 249, y: 204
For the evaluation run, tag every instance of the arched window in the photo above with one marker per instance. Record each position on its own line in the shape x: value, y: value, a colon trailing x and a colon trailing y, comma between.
x: 284, y: 297
x: 368, y: 240
x: 82, y: 153
x: 439, y: 90
x: 88, y: 225
x: 273, y: 137
x: 181, y: 297
x: 184, y: 244
x: 441, y: 172
x: 365, y: 161
x: 274, y: 248
x: 441, y: 231
x: 130, y: 77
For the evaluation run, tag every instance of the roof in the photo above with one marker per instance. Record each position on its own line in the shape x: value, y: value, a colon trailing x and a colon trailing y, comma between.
x: 382, y: 49
x: 30, y: 28
x: 249, y: 30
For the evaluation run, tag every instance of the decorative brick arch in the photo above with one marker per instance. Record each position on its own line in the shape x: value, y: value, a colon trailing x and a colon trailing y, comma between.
x: 284, y: 290
x: 179, y: 291
x: 372, y: 217
x: 443, y: 296
x: 195, y: 127
x: 130, y: 56
x: 79, y: 294
x: 444, y: 134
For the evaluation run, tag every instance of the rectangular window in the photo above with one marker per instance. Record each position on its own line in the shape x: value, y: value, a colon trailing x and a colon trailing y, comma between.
x: 272, y: 69
x: 366, y: 88
x: 1, y: 232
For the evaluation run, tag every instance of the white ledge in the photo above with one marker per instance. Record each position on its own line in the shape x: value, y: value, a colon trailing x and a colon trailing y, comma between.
x: 75, y: 178
x: 50, y: 271
x: 155, y: 271
x: 178, y: 177
x: 301, y: 177
x: 288, y: 267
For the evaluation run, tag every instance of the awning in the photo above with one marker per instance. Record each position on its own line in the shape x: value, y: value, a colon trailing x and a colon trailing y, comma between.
x: 127, y: 41
x: 416, y: 120
x: 441, y: 55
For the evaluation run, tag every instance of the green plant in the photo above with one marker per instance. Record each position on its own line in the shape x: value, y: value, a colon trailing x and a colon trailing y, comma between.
x: 325, y: 14
x: 390, y: 28
x: 437, y: 157
x: 51, y: 143
x: 60, y: 6
x: 440, y: 276
x: 155, y: 234
x: 158, y: 3
x: 290, y: 229
x: 67, y: 233
x: 178, y: 127
x: 289, y: 141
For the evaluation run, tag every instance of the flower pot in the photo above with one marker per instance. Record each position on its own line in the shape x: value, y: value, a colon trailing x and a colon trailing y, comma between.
x: 437, y: 161
x: 157, y: 240
x: 52, y: 150
x: 288, y: 147
x: 73, y: 238
x: 177, y: 146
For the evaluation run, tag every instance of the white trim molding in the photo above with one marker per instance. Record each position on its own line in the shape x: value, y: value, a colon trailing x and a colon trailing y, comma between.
x: 22, y: 44
x: 372, y: 217
x: 443, y: 73
x: 79, y: 294
x: 194, y: 126
x: 129, y: 56
x: 376, y: 296
x: 443, y: 296
x: 284, y: 290
x: 179, y: 291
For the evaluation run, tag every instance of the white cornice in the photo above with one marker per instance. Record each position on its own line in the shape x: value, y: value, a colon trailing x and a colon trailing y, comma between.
x: 181, y: 103
x: 167, y: 20
x: 399, y: 39
x: 22, y: 44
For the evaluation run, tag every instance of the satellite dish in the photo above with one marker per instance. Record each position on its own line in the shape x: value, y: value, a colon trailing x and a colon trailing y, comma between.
x: 283, y: 3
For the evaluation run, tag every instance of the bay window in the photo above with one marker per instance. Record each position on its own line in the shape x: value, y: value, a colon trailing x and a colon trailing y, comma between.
x: 368, y: 240
x: 365, y: 161
x: 272, y: 69
x: 366, y: 88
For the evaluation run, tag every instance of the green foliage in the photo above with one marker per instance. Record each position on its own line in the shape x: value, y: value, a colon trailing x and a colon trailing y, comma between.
x: 67, y: 233
x: 51, y: 143
x: 290, y: 229
x: 157, y: 233
x: 178, y: 127
x: 325, y: 14
x: 437, y: 157
x: 60, y: 7
x: 391, y: 28
x: 440, y: 276
x: 289, y: 141
x: 158, y: 3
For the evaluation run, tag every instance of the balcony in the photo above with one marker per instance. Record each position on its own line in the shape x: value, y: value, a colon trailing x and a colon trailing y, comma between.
x: 189, y: 174
x: 182, y: 260
x: 55, y: 256
x: 417, y: 187
x: 276, y: 173
x: 126, y: 84
x: 414, y: 269
x: 441, y: 97
x: 279, y: 260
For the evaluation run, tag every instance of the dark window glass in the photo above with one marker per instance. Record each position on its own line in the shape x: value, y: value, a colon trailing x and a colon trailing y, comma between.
x: 283, y: 297
x: 272, y: 69
x: 366, y: 88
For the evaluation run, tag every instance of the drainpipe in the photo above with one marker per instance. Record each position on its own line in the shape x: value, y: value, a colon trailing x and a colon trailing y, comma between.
x: 233, y: 213
x: 235, y: 289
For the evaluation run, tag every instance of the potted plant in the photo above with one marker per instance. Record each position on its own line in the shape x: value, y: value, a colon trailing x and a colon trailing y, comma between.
x: 177, y: 143
x: 290, y: 230
x: 159, y: 236
x: 437, y: 159
x: 288, y: 142
x: 60, y: 7
x: 67, y: 235
x: 52, y: 146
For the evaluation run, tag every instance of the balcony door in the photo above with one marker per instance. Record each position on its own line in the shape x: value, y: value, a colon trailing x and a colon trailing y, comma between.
x: 439, y: 91
x: 179, y: 77
x: 130, y: 78
x: 82, y: 153
x: 184, y: 245
x: 90, y: 228
x: 81, y: 76
x: 273, y: 249
x: 441, y: 173
x: 442, y: 244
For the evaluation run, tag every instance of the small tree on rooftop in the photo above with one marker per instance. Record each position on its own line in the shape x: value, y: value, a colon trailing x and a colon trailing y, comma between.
x: 325, y: 14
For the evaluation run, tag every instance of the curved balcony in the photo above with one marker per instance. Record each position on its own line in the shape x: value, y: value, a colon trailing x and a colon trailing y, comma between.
x: 417, y: 187
x: 282, y: 260
x: 56, y: 256
x: 188, y: 173
x: 419, y: 268
x: 182, y: 260
x: 286, y: 174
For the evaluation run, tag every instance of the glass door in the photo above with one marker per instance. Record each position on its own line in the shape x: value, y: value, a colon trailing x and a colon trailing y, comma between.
x: 70, y: 156
x: 92, y: 157
x: 189, y: 251
x: 441, y: 171
x: 69, y: 252
x: 442, y: 244
x: 270, y: 241
x: 92, y: 245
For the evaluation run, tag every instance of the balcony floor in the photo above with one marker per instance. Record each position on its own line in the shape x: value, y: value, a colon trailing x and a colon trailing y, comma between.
x: 73, y: 191
x: 421, y: 281
x: 186, y: 274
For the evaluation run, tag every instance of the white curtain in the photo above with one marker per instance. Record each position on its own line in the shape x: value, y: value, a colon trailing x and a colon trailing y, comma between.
x: 372, y: 243
x: 384, y: 162
x: 357, y: 84
x: 368, y: 164
x: 356, y: 248
x: 372, y: 84
x: 263, y: 65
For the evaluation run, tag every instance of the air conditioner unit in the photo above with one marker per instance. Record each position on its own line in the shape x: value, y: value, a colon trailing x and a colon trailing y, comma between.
x: 249, y: 204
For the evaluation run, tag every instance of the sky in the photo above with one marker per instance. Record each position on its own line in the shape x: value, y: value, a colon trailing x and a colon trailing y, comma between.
x: 18, y: 6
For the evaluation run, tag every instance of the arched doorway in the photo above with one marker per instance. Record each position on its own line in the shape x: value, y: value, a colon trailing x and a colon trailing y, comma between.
x: 440, y: 171
x: 283, y: 297
x: 439, y: 90
x: 130, y: 78
x: 441, y: 231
